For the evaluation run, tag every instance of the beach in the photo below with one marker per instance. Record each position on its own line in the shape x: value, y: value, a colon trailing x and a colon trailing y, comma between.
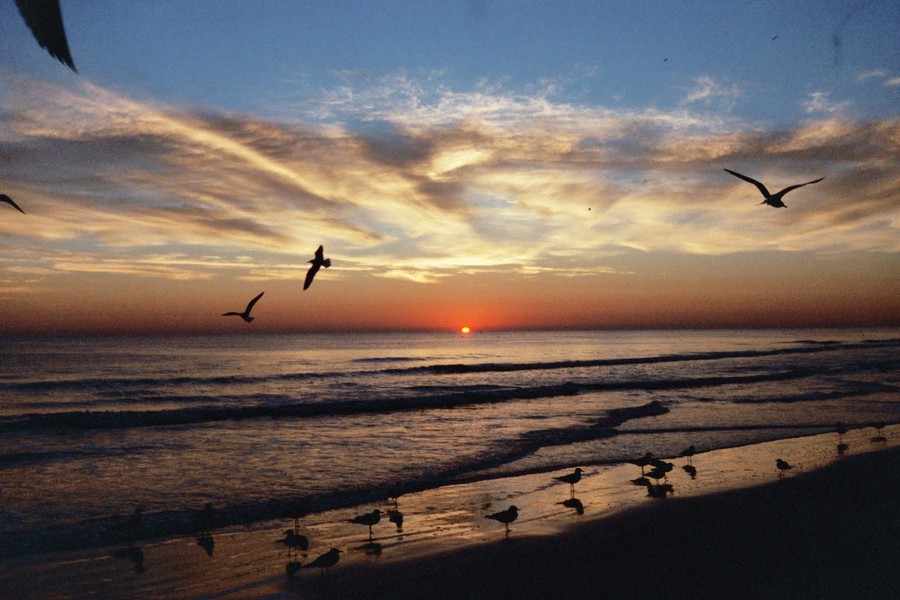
x: 831, y: 533
x: 826, y: 529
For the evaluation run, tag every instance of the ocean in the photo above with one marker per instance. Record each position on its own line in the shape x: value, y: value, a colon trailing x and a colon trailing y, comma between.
x: 274, y: 426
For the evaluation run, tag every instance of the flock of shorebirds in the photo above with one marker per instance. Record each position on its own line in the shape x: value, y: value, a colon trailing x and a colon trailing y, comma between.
x: 130, y: 529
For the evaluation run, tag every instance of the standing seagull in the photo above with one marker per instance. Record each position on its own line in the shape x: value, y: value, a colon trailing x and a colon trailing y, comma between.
x: 317, y: 262
x: 324, y: 561
x: 369, y: 519
x: 782, y: 466
x: 772, y: 199
x: 8, y: 200
x: 44, y: 19
x: 571, y: 479
x: 505, y: 516
x: 246, y: 314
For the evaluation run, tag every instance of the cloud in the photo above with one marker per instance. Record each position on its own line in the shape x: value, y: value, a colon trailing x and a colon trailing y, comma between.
x: 820, y: 102
x: 407, y: 179
x: 707, y: 90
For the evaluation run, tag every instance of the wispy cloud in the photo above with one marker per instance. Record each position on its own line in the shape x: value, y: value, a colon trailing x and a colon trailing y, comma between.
x: 821, y: 102
x: 430, y: 181
x: 706, y: 91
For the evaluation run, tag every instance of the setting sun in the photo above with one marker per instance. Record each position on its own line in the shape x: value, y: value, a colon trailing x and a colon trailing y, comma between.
x: 464, y: 330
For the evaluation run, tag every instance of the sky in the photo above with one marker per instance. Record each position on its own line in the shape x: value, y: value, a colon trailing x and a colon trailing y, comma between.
x: 494, y: 164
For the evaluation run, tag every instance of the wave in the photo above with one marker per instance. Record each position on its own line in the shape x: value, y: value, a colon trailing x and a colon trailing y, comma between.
x: 124, y: 419
x: 108, y: 385
x: 108, y: 530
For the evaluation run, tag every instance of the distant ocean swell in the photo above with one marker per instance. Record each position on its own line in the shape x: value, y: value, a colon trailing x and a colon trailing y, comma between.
x: 256, y: 405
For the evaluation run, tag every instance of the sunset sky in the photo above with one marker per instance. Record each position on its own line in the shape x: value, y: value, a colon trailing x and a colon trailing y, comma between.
x: 482, y: 163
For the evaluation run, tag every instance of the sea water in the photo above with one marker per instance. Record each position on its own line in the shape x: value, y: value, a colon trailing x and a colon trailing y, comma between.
x: 268, y: 426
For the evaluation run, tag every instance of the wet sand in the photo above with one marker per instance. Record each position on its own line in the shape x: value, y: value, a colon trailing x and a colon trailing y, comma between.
x: 826, y: 530
x: 831, y: 533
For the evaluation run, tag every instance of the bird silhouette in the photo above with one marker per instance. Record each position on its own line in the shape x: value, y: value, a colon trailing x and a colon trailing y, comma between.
x: 369, y: 519
x: 44, y: 19
x: 782, y: 466
x: 571, y: 479
x: 8, y: 200
x: 324, y: 561
x: 689, y: 453
x: 505, y: 516
x: 642, y: 461
x: 690, y: 470
x: 772, y: 199
x: 246, y: 314
x: 317, y: 262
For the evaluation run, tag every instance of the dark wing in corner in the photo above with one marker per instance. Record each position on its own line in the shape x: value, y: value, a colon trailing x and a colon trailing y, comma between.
x: 44, y: 18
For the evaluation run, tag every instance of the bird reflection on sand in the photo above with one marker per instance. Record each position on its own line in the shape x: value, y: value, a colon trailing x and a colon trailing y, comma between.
x: 575, y: 504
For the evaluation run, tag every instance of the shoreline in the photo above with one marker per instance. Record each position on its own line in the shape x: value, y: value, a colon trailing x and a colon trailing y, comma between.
x: 445, y: 532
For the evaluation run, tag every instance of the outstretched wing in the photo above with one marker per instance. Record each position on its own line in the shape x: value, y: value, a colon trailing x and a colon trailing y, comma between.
x: 794, y: 187
x: 311, y: 274
x: 8, y: 200
x: 252, y: 302
x: 320, y: 254
x: 760, y: 186
x: 44, y: 19
x: 231, y: 314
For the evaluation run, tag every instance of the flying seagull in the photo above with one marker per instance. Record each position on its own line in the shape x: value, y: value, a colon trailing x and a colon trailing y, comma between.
x: 8, y: 200
x: 505, y: 516
x: 246, y: 314
x: 772, y: 199
x: 317, y: 262
x: 44, y: 19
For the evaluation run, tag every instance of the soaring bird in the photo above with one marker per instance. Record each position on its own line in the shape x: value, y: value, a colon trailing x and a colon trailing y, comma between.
x: 505, y: 516
x: 44, y: 19
x: 317, y: 262
x: 369, y: 519
x: 324, y: 561
x: 8, y: 200
x: 571, y: 479
x: 772, y: 199
x: 246, y: 314
x: 782, y: 466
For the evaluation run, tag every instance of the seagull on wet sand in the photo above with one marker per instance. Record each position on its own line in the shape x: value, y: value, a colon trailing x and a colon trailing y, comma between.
x: 369, y: 519
x: 505, y: 516
x: 246, y: 314
x: 782, y: 466
x: 324, y: 561
x: 8, y: 200
x: 571, y: 479
x: 317, y: 262
x: 772, y: 199
x: 689, y: 453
